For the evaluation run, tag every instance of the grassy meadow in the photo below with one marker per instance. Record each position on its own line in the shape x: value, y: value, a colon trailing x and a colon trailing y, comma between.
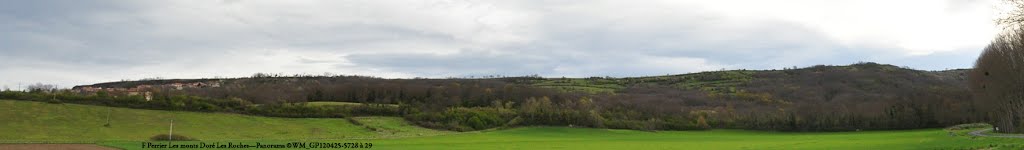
x: 319, y: 103
x: 591, y: 139
x: 36, y: 121
x: 579, y: 138
x: 28, y: 122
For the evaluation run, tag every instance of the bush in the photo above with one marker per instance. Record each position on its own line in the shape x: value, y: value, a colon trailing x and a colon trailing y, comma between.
x: 175, y: 137
x: 476, y: 123
x: 354, y: 121
x: 463, y: 119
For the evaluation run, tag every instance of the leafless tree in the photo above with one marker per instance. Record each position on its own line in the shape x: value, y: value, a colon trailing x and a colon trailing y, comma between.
x: 40, y: 87
x: 1012, y: 13
x: 997, y: 81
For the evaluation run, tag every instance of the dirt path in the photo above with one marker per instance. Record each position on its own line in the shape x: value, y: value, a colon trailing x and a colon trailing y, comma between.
x: 980, y: 133
x: 53, y: 147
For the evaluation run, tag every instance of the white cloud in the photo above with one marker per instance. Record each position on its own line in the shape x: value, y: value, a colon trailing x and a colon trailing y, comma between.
x: 916, y: 27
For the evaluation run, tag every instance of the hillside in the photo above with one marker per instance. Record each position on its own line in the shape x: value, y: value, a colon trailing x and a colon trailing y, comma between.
x: 64, y: 123
x: 71, y: 123
x: 819, y: 98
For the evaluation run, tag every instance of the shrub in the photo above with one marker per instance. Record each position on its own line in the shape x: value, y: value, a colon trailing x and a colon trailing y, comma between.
x: 476, y: 123
x: 463, y: 119
x: 995, y: 81
x: 354, y: 121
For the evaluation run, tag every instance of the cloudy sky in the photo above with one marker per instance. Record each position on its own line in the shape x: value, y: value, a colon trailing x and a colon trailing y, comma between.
x: 74, y: 42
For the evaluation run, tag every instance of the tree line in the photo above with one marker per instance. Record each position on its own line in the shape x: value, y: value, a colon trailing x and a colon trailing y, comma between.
x: 865, y: 96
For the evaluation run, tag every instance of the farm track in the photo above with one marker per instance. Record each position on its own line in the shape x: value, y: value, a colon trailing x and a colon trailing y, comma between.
x: 981, y: 134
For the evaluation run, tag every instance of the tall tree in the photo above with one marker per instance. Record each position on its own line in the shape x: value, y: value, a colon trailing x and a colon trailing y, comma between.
x: 997, y: 81
x: 1013, y: 15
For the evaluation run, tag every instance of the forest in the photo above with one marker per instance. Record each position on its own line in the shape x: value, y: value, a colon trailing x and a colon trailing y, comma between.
x: 862, y: 96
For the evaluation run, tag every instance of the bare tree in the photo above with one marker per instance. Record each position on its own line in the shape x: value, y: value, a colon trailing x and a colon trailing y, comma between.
x: 997, y: 81
x: 40, y: 87
x: 1012, y: 13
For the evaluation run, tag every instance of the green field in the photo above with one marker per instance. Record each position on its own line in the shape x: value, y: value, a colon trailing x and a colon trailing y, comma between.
x: 25, y: 122
x: 578, y: 138
x: 715, y: 81
x: 322, y: 103
x: 573, y: 138
x: 36, y: 121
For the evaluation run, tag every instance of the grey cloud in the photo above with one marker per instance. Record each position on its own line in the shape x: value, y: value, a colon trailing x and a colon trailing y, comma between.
x: 110, y: 40
x: 458, y: 64
x: 600, y: 46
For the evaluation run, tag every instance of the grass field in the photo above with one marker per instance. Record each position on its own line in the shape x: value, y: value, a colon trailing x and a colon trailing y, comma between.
x: 573, y: 138
x: 715, y: 81
x: 591, y: 139
x: 35, y: 121
x: 322, y: 103
x: 584, y: 85
x: 25, y: 122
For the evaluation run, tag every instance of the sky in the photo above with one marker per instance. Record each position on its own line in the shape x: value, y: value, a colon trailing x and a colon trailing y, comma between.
x: 79, y: 42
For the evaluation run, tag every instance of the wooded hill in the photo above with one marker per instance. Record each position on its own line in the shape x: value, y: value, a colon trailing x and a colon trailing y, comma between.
x: 863, y: 96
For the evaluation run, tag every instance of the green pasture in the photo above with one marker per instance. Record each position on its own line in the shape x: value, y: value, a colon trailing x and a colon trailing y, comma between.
x: 35, y: 122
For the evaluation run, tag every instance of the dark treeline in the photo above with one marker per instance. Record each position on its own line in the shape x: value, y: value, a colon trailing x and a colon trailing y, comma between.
x: 864, y: 96
x: 997, y: 80
x: 181, y: 102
